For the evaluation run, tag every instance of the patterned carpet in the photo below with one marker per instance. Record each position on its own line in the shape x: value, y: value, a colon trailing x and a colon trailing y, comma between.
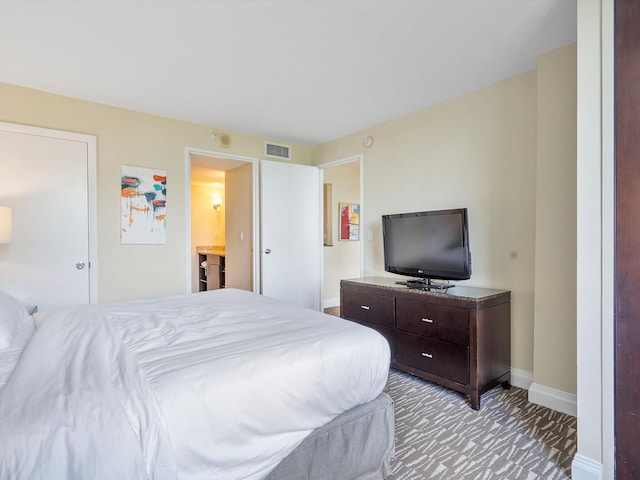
x: 439, y: 436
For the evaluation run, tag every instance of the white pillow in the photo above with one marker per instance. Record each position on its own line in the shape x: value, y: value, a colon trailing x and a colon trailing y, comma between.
x: 12, y: 314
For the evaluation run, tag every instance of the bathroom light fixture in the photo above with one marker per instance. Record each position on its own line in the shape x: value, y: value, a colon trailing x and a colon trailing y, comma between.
x: 217, y: 203
x: 5, y: 224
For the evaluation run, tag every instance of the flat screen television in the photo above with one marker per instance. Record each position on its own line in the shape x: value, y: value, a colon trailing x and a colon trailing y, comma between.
x: 427, y: 245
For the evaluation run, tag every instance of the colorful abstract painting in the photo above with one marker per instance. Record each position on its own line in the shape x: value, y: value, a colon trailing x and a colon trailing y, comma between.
x: 144, y: 201
x: 349, y: 221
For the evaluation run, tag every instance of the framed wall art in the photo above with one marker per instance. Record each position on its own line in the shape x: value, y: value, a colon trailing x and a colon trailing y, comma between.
x: 349, y: 215
x: 143, y: 197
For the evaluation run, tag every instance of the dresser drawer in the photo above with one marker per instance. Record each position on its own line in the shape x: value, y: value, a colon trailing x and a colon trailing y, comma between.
x: 446, y: 360
x: 366, y: 307
x: 449, y: 324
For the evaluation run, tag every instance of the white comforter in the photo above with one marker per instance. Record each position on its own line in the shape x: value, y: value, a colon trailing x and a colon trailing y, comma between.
x: 217, y: 385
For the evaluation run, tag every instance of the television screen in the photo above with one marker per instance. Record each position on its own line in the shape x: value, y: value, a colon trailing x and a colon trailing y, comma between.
x: 432, y: 244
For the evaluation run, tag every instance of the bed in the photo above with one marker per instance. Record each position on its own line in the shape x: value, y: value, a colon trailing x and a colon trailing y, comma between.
x: 224, y: 384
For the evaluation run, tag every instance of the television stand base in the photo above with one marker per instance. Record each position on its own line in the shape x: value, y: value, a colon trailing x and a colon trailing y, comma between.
x: 426, y: 284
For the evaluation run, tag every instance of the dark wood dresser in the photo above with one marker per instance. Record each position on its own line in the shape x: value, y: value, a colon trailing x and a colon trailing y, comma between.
x: 459, y: 338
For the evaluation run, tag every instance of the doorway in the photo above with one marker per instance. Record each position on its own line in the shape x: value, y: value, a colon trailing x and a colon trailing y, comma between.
x: 221, y: 213
x: 342, y: 255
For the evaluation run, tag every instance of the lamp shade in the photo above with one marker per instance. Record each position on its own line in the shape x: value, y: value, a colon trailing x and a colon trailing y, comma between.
x: 5, y: 224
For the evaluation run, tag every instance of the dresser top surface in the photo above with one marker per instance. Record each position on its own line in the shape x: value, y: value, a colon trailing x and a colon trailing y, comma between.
x: 457, y: 291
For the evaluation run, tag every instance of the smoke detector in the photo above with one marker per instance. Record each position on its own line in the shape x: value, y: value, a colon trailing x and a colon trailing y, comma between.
x: 222, y: 139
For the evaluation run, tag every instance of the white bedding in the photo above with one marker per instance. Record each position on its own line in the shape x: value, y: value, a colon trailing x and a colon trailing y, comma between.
x: 9, y: 356
x: 236, y: 382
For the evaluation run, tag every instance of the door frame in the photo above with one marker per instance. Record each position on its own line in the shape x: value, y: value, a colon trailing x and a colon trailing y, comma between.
x: 92, y: 189
x: 336, y: 163
x: 188, y: 151
x: 595, y: 455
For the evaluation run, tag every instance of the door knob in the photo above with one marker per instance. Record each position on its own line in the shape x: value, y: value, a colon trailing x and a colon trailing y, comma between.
x: 267, y: 251
x: 80, y: 265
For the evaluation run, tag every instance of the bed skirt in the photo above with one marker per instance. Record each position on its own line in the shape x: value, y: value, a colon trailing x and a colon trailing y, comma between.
x: 357, y: 445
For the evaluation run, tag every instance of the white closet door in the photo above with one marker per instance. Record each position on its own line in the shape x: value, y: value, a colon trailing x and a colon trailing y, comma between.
x: 291, y: 233
x: 45, y: 182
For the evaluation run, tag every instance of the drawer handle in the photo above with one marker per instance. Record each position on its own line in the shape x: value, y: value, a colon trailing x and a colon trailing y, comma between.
x: 428, y: 355
x: 427, y: 320
x: 364, y: 307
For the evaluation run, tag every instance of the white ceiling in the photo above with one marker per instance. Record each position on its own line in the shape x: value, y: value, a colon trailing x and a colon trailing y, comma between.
x: 302, y: 72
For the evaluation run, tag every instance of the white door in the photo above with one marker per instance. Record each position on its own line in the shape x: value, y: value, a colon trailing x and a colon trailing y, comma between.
x: 291, y: 233
x: 45, y: 182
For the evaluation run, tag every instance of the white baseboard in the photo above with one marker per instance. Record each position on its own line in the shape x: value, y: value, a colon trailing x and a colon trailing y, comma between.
x: 583, y: 468
x: 554, y: 399
x: 521, y: 378
x: 545, y: 396
x: 331, y: 302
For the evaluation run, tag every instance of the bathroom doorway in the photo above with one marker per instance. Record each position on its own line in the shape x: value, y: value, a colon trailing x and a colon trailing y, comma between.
x: 222, y: 221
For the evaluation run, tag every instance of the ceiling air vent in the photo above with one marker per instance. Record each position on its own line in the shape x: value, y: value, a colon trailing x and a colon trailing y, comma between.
x: 277, y: 151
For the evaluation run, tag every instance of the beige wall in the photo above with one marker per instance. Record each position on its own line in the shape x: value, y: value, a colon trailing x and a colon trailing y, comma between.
x: 506, y: 152
x: 554, y: 355
x: 342, y: 260
x: 131, y: 138
x: 476, y: 151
